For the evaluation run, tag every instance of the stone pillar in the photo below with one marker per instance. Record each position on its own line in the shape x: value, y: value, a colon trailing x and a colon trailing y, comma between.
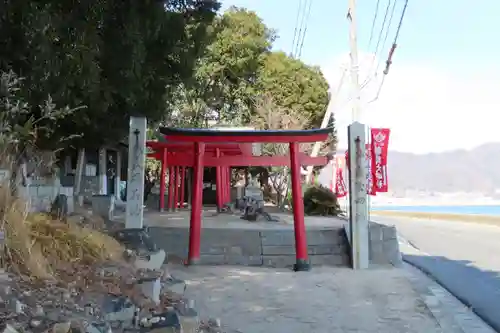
x: 101, y: 173
x: 118, y: 175
x: 358, y: 215
x: 80, y: 169
x: 135, y: 178
x: 67, y: 165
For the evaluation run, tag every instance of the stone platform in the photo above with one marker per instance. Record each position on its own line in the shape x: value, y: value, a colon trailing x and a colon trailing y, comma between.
x: 228, y: 240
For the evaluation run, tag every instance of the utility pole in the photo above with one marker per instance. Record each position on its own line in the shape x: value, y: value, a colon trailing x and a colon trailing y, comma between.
x: 326, y: 120
x: 354, y: 66
x: 358, y: 203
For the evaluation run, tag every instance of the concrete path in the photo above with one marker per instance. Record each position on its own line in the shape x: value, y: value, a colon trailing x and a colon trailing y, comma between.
x: 463, y: 257
x: 326, y: 300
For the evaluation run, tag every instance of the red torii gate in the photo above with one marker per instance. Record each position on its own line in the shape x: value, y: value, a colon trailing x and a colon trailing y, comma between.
x: 199, y: 148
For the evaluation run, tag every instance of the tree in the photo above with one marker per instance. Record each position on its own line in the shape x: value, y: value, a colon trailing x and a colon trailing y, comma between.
x: 238, y: 67
x: 116, y: 57
x: 270, y: 116
x: 294, y: 86
x: 224, y: 81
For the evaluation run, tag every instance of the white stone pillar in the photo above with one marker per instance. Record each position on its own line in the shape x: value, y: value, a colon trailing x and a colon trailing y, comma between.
x: 67, y: 165
x: 118, y: 175
x: 358, y: 217
x: 80, y: 169
x: 135, y: 179
x: 102, y: 171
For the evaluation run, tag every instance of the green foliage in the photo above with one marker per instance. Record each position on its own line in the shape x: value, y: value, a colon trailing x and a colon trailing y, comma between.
x: 239, y: 68
x: 223, y: 86
x: 294, y: 86
x: 19, y: 129
x: 117, y: 57
x: 319, y: 200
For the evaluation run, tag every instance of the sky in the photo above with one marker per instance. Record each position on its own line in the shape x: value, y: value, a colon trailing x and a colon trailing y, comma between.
x: 443, y: 89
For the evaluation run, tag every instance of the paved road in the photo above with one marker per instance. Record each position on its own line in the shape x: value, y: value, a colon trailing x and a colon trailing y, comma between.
x: 326, y: 300
x: 464, y: 257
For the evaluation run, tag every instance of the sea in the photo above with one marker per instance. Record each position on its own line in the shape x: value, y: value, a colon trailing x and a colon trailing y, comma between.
x: 472, y: 209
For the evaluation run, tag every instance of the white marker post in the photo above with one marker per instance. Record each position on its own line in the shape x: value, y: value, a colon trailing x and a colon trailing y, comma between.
x: 136, y: 166
x: 358, y: 215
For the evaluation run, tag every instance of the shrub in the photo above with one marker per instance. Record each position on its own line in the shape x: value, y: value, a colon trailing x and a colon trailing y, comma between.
x: 319, y: 200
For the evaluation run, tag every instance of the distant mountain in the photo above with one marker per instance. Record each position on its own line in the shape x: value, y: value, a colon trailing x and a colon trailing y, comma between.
x: 476, y: 170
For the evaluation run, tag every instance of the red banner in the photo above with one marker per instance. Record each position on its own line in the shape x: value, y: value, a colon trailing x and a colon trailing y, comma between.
x: 334, y: 173
x: 340, y: 188
x: 380, y: 148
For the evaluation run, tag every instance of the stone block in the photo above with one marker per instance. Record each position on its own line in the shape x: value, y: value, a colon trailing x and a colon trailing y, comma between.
x: 151, y: 288
x: 231, y: 242
x: 172, y: 240
x: 330, y: 260
x: 278, y: 261
x: 66, y: 190
x: 95, y: 328
x: 376, y: 252
x: 328, y: 249
x: 9, y: 329
x: 46, y: 191
x: 118, y: 309
x: 136, y: 239
x: 314, y: 237
x: 278, y: 250
x: 312, y: 249
x: 71, y: 204
x: 188, y: 317
x: 166, y: 322
x: 392, y: 252
x: 316, y: 260
x: 174, y: 285
x: 376, y: 233
x: 325, y: 237
x: 389, y: 233
x: 221, y: 259
x: 103, y: 205
x: 152, y: 261
x: 277, y: 237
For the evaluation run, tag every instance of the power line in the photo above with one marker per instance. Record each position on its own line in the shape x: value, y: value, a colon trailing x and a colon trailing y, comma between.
x: 388, y: 62
x: 296, y: 26
x: 373, y: 23
x: 400, y: 22
x: 387, y: 32
x: 383, y: 26
x: 301, y: 26
x: 305, y: 28
x: 387, y: 8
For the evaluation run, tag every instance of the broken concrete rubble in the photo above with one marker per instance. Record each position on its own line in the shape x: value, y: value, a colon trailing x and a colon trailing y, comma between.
x: 139, y: 295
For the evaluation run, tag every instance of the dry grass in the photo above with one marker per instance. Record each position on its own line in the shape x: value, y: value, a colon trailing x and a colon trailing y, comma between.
x: 471, y: 218
x: 38, y: 246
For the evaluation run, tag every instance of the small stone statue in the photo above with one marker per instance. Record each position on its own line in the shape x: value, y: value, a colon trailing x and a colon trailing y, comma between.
x: 253, y: 209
